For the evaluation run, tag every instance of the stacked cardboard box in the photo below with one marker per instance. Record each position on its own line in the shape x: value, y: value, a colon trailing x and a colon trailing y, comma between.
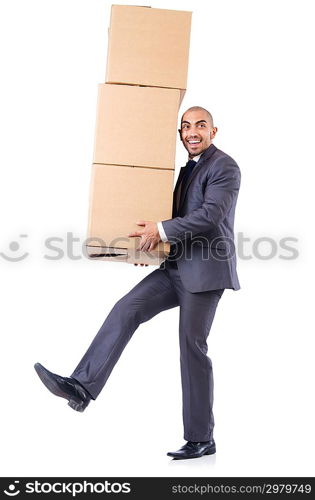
x: 135, y: 138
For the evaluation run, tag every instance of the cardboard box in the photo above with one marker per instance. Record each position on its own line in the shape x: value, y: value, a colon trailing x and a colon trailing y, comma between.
x: 136, y: 126
x: 148, y: 46
x: 119, y: 196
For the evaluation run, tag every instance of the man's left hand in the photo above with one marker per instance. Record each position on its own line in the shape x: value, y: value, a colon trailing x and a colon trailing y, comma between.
x: 150, y: 235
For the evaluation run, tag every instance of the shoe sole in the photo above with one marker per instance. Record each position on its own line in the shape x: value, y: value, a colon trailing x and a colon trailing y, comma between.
x: 211, y: 451
x: 53, y: 387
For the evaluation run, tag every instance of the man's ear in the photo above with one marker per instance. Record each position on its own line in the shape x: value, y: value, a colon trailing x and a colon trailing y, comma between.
x: 180, y: 134
x: 213, y: 132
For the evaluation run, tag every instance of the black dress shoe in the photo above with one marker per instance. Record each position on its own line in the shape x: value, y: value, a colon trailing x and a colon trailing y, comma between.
x: 193, y: 450
x: 64, y: 387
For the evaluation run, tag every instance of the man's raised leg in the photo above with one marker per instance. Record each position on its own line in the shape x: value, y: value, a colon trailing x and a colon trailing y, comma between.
x: 155, y: 293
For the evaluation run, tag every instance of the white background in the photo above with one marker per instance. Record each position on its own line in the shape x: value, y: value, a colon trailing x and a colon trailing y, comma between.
x: 251, y: 64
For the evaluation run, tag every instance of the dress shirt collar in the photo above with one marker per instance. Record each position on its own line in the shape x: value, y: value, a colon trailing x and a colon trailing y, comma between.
x: 195, y: 158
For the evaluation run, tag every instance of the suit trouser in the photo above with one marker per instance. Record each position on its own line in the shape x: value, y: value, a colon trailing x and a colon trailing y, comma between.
x: 158, y: 291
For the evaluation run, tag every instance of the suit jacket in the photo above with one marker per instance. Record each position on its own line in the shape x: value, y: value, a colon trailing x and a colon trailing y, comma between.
x: 202, y: 227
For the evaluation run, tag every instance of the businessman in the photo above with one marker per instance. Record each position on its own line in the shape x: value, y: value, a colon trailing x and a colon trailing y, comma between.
x: 201, y: 265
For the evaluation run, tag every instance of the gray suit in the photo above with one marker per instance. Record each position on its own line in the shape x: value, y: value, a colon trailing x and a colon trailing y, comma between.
x: 206, y: 208
x: 202, y: 265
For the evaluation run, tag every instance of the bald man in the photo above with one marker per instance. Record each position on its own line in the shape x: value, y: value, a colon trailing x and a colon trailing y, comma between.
x: 201, y: 265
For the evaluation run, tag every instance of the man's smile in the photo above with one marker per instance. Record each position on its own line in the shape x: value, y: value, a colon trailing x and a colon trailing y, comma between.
x: 193, y: 143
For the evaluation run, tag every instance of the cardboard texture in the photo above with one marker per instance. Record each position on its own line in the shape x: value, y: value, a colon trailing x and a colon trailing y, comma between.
x: 119, y: 196
x: 148, y: 46
x: 136, y: 126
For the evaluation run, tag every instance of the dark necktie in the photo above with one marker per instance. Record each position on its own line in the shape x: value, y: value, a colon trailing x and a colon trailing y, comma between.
x: 187, y: 170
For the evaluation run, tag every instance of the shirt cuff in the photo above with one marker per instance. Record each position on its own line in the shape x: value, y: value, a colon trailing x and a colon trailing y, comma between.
x: 162, y: 232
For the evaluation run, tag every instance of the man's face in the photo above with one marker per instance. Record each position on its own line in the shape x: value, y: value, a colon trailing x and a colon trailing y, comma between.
x: 196, y: 132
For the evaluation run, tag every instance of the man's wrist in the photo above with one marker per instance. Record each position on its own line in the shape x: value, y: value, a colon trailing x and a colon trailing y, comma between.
x: 162, y: 232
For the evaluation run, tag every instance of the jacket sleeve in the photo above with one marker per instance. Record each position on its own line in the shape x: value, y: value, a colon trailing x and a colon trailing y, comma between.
x: 222, y: 188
